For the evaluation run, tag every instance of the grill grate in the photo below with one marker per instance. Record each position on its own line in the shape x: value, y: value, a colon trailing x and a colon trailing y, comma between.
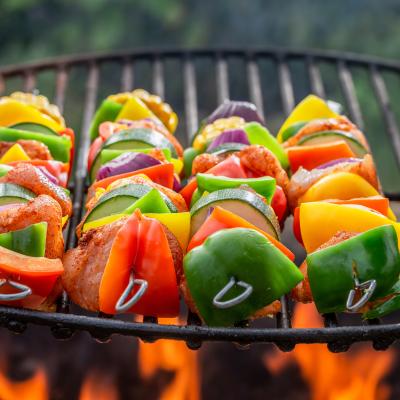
x: 186, y: 65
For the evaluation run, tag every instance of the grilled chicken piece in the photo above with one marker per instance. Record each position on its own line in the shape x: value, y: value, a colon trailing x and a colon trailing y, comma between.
x: 205, y: 161
x: 41, y: 209
x: 257, y: 159
x: 302, y: 292
x: 302, y: 180
x: 84, y: 265
x: 32, y: 178
x: 34, y: 149
x: 331, y: 124
x: 263, y: 162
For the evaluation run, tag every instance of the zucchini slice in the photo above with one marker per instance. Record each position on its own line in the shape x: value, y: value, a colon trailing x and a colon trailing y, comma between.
x: 244, y: 203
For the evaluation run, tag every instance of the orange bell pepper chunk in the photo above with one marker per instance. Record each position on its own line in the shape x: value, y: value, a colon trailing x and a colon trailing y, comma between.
x: 223, y: 219
x: 310, y: 157
x: 39, y: 273
x: 377, y: 203
x: 163, y: 174
x: 141, y: 247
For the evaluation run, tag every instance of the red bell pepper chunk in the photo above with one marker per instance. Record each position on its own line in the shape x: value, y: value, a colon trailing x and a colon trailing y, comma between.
x: 310, y: 157
x: 141, y: 247
x: 163, y: 174
x: 93, y: 150
x: 39, y: 273
x: 279, y: 203
x: 230, y: 167
x: 296, y: 225
x: 223, y: 219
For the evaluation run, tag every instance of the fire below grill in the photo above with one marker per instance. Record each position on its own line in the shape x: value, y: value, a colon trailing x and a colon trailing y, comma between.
x: 194, y: 82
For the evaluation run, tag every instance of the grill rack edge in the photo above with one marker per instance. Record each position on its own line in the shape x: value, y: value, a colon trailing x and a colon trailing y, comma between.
x: 64, y: 324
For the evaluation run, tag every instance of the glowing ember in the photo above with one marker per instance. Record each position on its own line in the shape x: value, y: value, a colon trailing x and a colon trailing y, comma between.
x: 355, y: 375
x: 34, y: 388
x: 98, y: 386
x: 171, y: 356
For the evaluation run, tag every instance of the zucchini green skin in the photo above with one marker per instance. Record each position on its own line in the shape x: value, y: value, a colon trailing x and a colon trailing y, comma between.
x: 246, y: 255
x: 12, y: 193
x: 357, y: 147
x: 32, y: 127
x: 30, y: 241
x: 59, y: 146
x: 373, y: 254
x: 120, y: 199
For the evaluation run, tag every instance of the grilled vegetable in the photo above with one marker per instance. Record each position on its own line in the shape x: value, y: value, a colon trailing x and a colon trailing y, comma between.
x: 11, y: 193
x: 59, y: 146
x: 264, y: 186
x: 141, y: 247
x: 244, y: 203
x: 334, y: 271
x: 243, y: 260
x: 30, y: 241
x: 258, y: 134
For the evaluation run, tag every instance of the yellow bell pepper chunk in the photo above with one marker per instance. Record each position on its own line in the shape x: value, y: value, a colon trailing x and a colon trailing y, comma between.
x: 311, y: 107
x: 178, y: 224
x: 134, y: 109
x: 64, y: 220
x: 339, y: 185
x: 319, y: 221
x: 102, y: 221
x: 14, y: 153
x: 13, y: 112
x: 178, y: 165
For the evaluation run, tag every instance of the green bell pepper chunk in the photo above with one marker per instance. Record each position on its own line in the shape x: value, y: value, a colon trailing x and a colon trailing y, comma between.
x: 258, y: 134
x: 247, y: 256
x: 373, y: 254
x: 4, y: 168
x: 30, y: 241
x: 107, y: 155
x: 59, y: 146
x: 265, y: 186
x: 108, y: 111
x: 151, y: 202
x: 387, y: 307
x: 188, y: 156
x: 292, y: 130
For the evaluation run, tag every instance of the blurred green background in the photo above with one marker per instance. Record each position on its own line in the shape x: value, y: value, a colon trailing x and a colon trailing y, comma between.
x: 34, y: 29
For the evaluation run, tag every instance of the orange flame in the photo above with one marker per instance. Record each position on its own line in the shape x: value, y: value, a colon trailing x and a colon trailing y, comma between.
x: 98, y: 387
x: 355, y: 375
x: 175, y: 357
x: 34, y: 388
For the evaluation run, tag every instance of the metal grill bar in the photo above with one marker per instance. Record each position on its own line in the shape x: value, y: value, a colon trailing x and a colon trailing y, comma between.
x: 253, y: 77
x: 29, y: 81
x: 190, y: 98
x: 63, y: 325
x: 222, y: 80
x: 286, y: 86
x: 316, y: 83
x: 158, y: 77
x: 80, y: 174
x: 347, y: 84
x: 127, y: 75
x: 61, y: 85
x: 384, y: 103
